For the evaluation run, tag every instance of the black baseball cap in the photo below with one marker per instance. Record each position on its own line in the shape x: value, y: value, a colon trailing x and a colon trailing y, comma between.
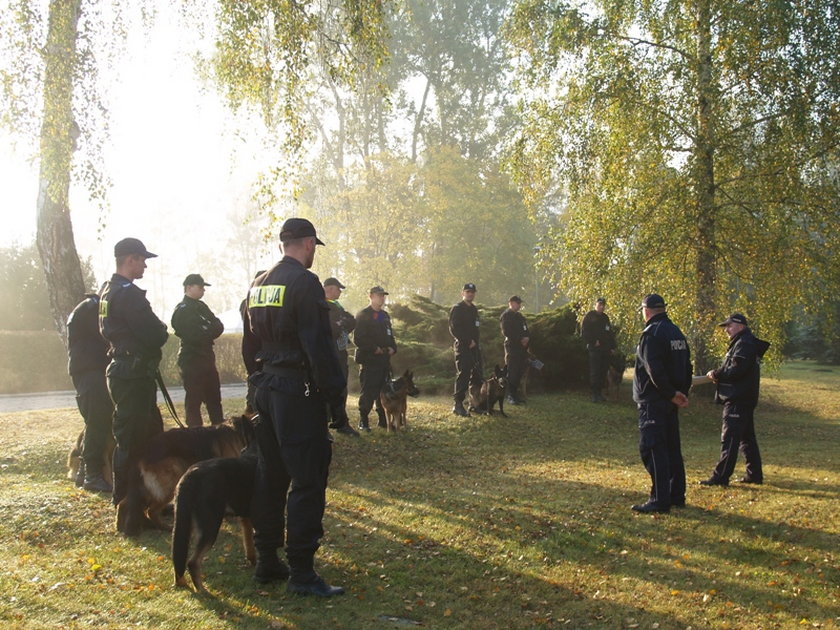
x: 469, y: 287
x: 515, y: 298
x: 735, y: 318
x: 652, y: 300
x: 378, y: 289
x: 195, y: 278
x: 298, y: 228
x: 601, y: 300
x: 129, y: 246
x: 333, y: 282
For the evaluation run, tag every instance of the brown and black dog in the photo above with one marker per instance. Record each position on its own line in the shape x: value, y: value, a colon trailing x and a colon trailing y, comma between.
x: 484, y: 396
x: 75, y: 464
x: 152, y: 478
x: 394, y: 399
x: 206, y: 491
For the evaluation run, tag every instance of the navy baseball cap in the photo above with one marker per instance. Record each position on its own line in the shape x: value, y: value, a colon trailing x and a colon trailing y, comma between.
x: 195, y: 278
x: 333, y: 282
x: 735, y: 318
x: 652, y: 300
x: 378, y: 289
x: 515, y: 298
x: 298, y: 228
x: 469, y: 287
x: 129, y: 246
x: 601, y: 300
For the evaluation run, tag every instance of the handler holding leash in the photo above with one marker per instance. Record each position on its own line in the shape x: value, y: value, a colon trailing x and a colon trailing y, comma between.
x: 464, y: 328
x: 300, y: 377
x: 136, y: 336
x: 515, y: 331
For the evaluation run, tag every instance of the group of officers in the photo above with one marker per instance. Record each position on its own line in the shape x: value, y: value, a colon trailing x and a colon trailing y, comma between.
x: 295, y: 347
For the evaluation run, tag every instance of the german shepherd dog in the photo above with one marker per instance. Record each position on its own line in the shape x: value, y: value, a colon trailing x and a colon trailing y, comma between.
x: 153, y: 476
x: 76, y: 465
x: 393, y: 398
x: 206, y: 491
x: 484, y: 396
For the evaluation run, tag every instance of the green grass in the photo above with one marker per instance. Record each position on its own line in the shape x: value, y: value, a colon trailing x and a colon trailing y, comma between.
x: 478, y: 523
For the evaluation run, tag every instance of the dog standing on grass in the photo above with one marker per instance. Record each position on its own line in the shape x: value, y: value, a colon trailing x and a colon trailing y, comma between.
x: 167, y: 456
x: 206, y: 491
x: 394, y: 399
x: 483, y: 397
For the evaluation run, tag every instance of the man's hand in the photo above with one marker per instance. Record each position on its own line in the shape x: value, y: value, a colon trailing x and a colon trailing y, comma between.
x: 472, y: 344
x: 680, y: 400
x: 391, y: 350
x: 524, y: 341
x: 378, y: 350
x: 711, y: 375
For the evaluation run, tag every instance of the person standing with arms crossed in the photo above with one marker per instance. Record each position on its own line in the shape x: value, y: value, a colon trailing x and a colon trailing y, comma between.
x: 136, y: 337
x: 300, y: 377
x: 600, y: 342
x: 375, y: 345
x: 661, y: 380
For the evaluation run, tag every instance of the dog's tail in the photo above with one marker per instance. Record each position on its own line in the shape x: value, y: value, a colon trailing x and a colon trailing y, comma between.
x: 182, y: 528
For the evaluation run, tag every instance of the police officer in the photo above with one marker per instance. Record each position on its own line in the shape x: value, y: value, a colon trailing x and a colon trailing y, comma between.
x: 600, y: 342
x: 375, y: 344
x: 661, y: 379
x: 464, y: 327
x: 737, y: 390
x: 197, y: 326
x: 88, y: 352
x: 342, y: 323
x: 136, y: 337
x: 515, y: 331
x: 300, y: 376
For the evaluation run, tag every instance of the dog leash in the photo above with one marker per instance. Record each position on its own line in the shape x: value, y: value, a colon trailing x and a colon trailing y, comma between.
x: 167, y: 399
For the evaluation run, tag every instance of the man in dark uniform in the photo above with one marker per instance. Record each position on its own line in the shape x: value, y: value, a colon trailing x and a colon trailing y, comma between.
x: 661, y: 379
x: 464, y: 328
x: 88, y: 353
x: 600, y: 342
x: 300, y: 376
x: 197, y: 326
x: 342, y: 323
x: 374, y: 339
x: 250, y: 349
x: 136, y: 336
x: 515, y: 331
x: 737, y: 390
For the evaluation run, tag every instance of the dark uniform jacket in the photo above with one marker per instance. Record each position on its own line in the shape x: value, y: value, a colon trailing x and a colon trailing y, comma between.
x: 135, y: 333
x: 373, y: 330
x: 464, y: 325
x: 342, y: 323
x: 513, y: 325
x: 88, y: 350
x: 738, y: 377
x: 596, y: 327
x: 288, y: 313
x: 250, y: 342
x: 197, y: 326
x: 663, y: 362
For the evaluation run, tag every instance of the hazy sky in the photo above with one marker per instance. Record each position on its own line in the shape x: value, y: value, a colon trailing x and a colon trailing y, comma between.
x: 179, y: 166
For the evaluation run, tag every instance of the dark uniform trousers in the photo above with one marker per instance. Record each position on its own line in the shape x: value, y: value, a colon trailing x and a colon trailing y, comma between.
x: 338, y: 410
x: 738, y: 433
x: 293, y: 451
x: 372, y: 377
x: 516, y: 359
x: 598, y: 364
x: 201, y: 385
x: 469, y: 370
x: 659, y: 446
x: 136, y: 420
x: 97, y: 409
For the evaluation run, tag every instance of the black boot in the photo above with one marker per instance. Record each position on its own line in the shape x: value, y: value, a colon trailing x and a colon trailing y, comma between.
x: 459, y: 410
x: 364, y: 425
x: 269, y: 567
x: 383, y: 422
x: 304, y: 580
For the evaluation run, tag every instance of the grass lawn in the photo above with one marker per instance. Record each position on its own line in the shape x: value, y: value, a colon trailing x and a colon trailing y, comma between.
x: 473, y: 523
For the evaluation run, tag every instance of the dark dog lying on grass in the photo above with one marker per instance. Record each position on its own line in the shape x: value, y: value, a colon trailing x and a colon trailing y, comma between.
x: 152, y: 479
x: 206, y: 491
x: 484, y: 396
x: 394, y: 399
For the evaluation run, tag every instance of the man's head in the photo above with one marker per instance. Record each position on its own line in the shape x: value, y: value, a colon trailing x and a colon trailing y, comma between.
x: 194, y: 286
x: 600, y: 304
x: 652, y: 304
x: 734, y: 324
x: 515, y: 303
x: 468, y: 292
x: 333, y: 288
x: 298, y: 240
x: 377, y: 297
x: 131, y: 255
